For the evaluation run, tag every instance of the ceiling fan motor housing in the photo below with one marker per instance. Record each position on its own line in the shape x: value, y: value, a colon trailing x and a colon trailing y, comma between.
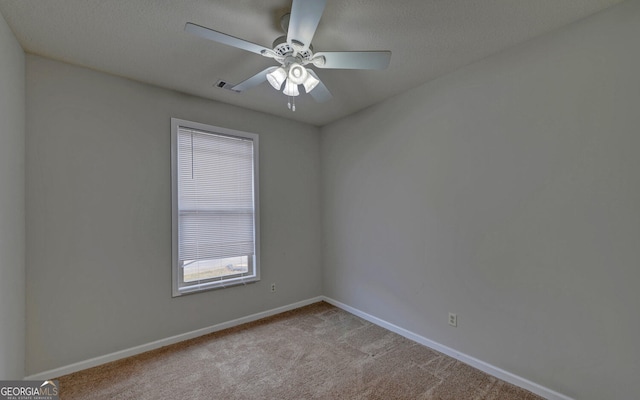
x: 283, y: 49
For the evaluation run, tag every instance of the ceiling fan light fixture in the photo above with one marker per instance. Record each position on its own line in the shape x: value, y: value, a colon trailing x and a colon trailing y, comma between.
x: 277, y: 78
x: 310, y: 83
x: 297, y: 73
x: 290, y: 88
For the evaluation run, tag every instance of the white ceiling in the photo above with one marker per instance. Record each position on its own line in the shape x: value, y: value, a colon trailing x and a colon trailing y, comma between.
x: 144, y: 40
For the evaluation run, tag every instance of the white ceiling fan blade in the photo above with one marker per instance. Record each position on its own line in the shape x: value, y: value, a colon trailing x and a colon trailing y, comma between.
x: 354, y: 59
x: 224, y: 38
x: 320, y: 93
x: 304, y: 19
x: 253, y: 81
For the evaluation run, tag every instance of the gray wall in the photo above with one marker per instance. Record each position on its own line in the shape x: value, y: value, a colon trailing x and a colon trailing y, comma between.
x: 507, y: 192
x: 12, y: 209
x: 99, y: 216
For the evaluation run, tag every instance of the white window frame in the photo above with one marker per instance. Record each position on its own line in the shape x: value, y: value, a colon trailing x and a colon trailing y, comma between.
x: 179, y: 286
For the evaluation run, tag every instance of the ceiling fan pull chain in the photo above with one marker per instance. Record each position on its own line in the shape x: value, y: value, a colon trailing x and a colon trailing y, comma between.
x: 291, y: 103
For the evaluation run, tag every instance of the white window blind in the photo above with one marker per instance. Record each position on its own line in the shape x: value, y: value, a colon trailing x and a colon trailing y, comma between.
x: 215, y: 207
x: 215, y: 201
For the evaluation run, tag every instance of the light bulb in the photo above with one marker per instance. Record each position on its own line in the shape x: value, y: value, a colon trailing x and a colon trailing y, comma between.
x: 290, y: 88
x: 297, y: 73
x: 277, y: 78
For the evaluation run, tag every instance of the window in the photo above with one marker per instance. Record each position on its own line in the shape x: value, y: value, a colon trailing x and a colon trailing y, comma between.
x: 215, y: 241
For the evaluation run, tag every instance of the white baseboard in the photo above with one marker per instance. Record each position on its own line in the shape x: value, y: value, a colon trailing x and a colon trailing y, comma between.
x: 75, y: 367
x: 474, y: 362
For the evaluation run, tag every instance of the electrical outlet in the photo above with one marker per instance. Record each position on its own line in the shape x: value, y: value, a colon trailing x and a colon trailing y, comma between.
x: 273, y: 287
x: 453, y: 319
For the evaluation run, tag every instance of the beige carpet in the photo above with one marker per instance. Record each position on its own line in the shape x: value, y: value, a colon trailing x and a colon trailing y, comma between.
x: 315, y: 352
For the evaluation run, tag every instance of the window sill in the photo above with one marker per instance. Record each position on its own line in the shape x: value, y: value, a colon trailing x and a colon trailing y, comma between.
x: 202, y: 287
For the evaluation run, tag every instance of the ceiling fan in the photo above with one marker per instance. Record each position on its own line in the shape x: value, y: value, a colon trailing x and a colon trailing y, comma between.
x: 294, y: 52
